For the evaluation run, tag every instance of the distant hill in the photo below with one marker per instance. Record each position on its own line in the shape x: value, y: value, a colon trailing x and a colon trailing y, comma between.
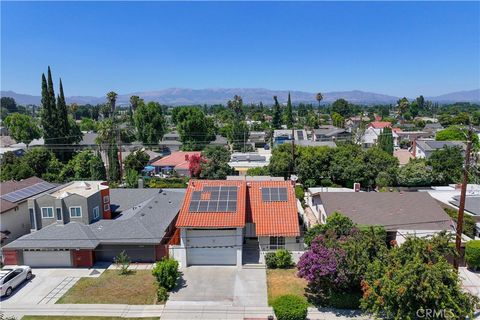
x: 184, y: 96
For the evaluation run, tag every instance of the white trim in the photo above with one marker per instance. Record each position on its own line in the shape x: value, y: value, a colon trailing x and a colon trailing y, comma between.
x: 74, y: 207
x: 47, y: 217
x: 106, y: 199
x: 96, y: 213
x: 33, y: 227
x: 61, y: 213
x: 106, y: 207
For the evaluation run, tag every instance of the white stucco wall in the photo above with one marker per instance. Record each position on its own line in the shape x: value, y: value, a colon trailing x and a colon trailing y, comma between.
x: 17, y: 221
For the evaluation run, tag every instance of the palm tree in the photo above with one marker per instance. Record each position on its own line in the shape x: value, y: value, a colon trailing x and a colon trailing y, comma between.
x: 73, y: 109
x: 112, y: 99
x: 134, y: 102
x: 319, y: 98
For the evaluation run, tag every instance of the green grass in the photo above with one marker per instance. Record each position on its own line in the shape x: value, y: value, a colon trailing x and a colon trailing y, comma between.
x: 284, y: 281
x: 139, y: 287
x: 81, y: 318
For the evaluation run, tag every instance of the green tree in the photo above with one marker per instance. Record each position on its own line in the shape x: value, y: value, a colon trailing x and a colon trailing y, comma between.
x: 338, y: 120
x: 416, y: 276
x: 131, y: 178
x: 456, y: 133
x: 313, y: 165
x: 289, y: 121
x: 113, y: 163
x: 166, y: 272
x: 112, y: 101
x: 447, y: 164
x: 403, y: 106
x: 87, y: 124
x: 85, y: 165
x: 136, y: 161
x: 277, y: 114
x: 150, y: 122
x: 385, y: 141
x: 22, y: 128
x: 281, y: 161
x: 194, y: 129
x: 216, y: 161
x: 9, y: 104
x: 319, y: 98
x: 134, y: 102
x: 415, y: 173
x: 48, y: 114
x: 342, y: 107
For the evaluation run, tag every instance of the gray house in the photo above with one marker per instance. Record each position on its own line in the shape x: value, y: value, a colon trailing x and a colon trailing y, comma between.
x: 423, y: 149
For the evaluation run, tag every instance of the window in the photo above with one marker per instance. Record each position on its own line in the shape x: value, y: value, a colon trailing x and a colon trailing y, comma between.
x: 59, y: 213
x: 277, y: 243
x: 75, y: 212
x: 106, y: 207
x: 106, y: 199
x: 47, y: 212
x: 32, y: 218
x: 96, y: 213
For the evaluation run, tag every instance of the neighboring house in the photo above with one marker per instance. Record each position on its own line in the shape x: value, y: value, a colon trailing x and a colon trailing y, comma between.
x: 257, y: 139
x: 14, y: 218
x: 171, y: 141
x: 399, y: 212
x: 142, y: 230
x: 372, y: 133
x: 177, y: 162
x: 282, y: 135
x: 241, y: 162
x: 152, y: 155
x: 423, y: 149
x: 329, y: 133
x: 355, y: 122
x: 310, y: 143
x: 19, y: 152
x: 379, y: 124
x: 403, y: 156
x: 219, y: 141
x: 218, y: 216
x: 411, y: 136
x: 432, y: 128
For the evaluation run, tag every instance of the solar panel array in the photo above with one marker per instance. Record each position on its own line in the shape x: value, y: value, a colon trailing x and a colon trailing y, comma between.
x: 27, y: 192
x: 274, y: 194
x: 214, y: 199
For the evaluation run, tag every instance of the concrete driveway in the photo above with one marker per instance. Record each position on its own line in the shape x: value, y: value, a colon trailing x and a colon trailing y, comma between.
x: 47, y: 285
x: 227, y: 286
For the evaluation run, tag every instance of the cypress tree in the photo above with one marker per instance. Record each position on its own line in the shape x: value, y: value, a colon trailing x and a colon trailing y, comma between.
x: 277, y: 114
x: 47, y: 116
x: 385, y: 140
x: 113, y: 164
x: 62, y: 115
x: 289, y: 113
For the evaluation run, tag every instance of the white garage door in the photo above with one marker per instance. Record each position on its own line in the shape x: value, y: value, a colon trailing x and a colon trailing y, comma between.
x: 47, y: 258
x: 211, y: 247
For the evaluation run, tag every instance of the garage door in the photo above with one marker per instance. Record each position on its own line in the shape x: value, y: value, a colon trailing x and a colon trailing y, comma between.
x: 47, y: 258
x: 135, y: 253
x: 211, y: 247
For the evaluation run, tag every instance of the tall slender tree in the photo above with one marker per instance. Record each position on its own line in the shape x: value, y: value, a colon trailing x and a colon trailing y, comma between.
x: 385, y: 141
x: 289, y: 113
x: 112, y: 101
x: 319, y: 98
x: 277, y: 114
x: 47, y: 115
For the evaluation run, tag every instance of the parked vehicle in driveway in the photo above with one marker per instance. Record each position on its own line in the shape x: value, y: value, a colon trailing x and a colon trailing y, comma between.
x: 11, y: 277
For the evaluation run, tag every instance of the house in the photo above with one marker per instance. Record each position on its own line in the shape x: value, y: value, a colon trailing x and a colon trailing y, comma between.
x: 372, y: 133
x: 329, y: 133
x: 142, y: 228
x: 379, y: 124
x: 18, y: 152
x: 171, y: 141
x: 257, y: 139
x: 282, y: 135
x: 152, y: 155
x: 177, y: 162
x: 218, y: 216
x: 242, y: 161
x: 423, y: 148
x: 398, y: 212
x: 355, y: 122
x: 219, y: 141
x: 432, y: 128
x: 14, y: 214
x: 310, y: 143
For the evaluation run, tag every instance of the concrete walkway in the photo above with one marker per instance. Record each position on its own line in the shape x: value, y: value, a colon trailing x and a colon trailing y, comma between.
x: 165, y: 312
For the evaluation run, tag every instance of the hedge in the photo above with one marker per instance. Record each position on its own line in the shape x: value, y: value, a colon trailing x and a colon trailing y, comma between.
x: 290, y: 307
x: 279, y: 259
x: 472, y: 254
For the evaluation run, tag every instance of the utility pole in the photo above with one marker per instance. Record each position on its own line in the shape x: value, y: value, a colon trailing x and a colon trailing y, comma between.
x: 463, y: 193
x: 293, y: 151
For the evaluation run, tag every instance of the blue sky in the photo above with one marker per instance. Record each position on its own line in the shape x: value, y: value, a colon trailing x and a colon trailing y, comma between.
x: 401, y: 48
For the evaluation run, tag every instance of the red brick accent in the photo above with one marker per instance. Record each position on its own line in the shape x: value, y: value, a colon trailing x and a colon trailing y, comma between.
x: 106, y: 214
x: 82, y: 258
x: 161, y: 250
x: 11, y: 257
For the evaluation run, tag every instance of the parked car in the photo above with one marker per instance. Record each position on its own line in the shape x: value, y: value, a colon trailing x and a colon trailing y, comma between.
x: 11, y: 277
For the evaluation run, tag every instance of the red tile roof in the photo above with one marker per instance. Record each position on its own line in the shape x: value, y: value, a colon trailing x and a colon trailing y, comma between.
x: 380, y: 124
x: 178, y: 159
x: 273, y: 218
x: 212, y: 219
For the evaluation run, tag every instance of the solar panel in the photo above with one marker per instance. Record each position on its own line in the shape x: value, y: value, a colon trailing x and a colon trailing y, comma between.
x: 274, y: 194
x: 220, y: 199
x: 27, y: 192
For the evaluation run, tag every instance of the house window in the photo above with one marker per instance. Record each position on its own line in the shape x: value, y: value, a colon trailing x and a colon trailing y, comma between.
x: 47, y: 212
x: 32, y: 218
x: 277, y: 243
x: 106, y: 207
x: 59, y: 214
x: 96, y: 213
x: 106, y: 199
x: 75, y: 212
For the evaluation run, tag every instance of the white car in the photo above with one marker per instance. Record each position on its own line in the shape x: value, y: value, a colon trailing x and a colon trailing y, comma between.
x: 11, y: 277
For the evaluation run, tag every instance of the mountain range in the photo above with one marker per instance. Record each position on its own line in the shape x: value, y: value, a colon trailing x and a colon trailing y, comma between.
x: 184, y: 96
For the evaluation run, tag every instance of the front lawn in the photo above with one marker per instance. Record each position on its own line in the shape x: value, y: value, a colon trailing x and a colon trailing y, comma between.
x: 80, y: 318
x: 139, y: 287
x: 284, y: 281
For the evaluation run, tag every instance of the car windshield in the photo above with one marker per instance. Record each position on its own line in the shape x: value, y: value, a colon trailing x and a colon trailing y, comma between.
x: 3, y: 273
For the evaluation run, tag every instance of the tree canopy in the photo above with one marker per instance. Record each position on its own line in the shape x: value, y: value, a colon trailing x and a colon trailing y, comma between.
x: 22, y: 128
x: 149, y: 122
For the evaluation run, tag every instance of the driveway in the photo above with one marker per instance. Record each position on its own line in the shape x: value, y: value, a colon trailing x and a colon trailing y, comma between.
x: 47, y: 285
x: 224, y: 286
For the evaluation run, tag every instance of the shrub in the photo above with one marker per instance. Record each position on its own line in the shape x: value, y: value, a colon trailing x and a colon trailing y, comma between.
x: 271, y: 260
x: 166, y: 272
x: 162, y: 294
x: 345, y: 300
x: 283, y: 259
x: 472, y: 254
x: 123, y: 261
x: 290, y: 307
